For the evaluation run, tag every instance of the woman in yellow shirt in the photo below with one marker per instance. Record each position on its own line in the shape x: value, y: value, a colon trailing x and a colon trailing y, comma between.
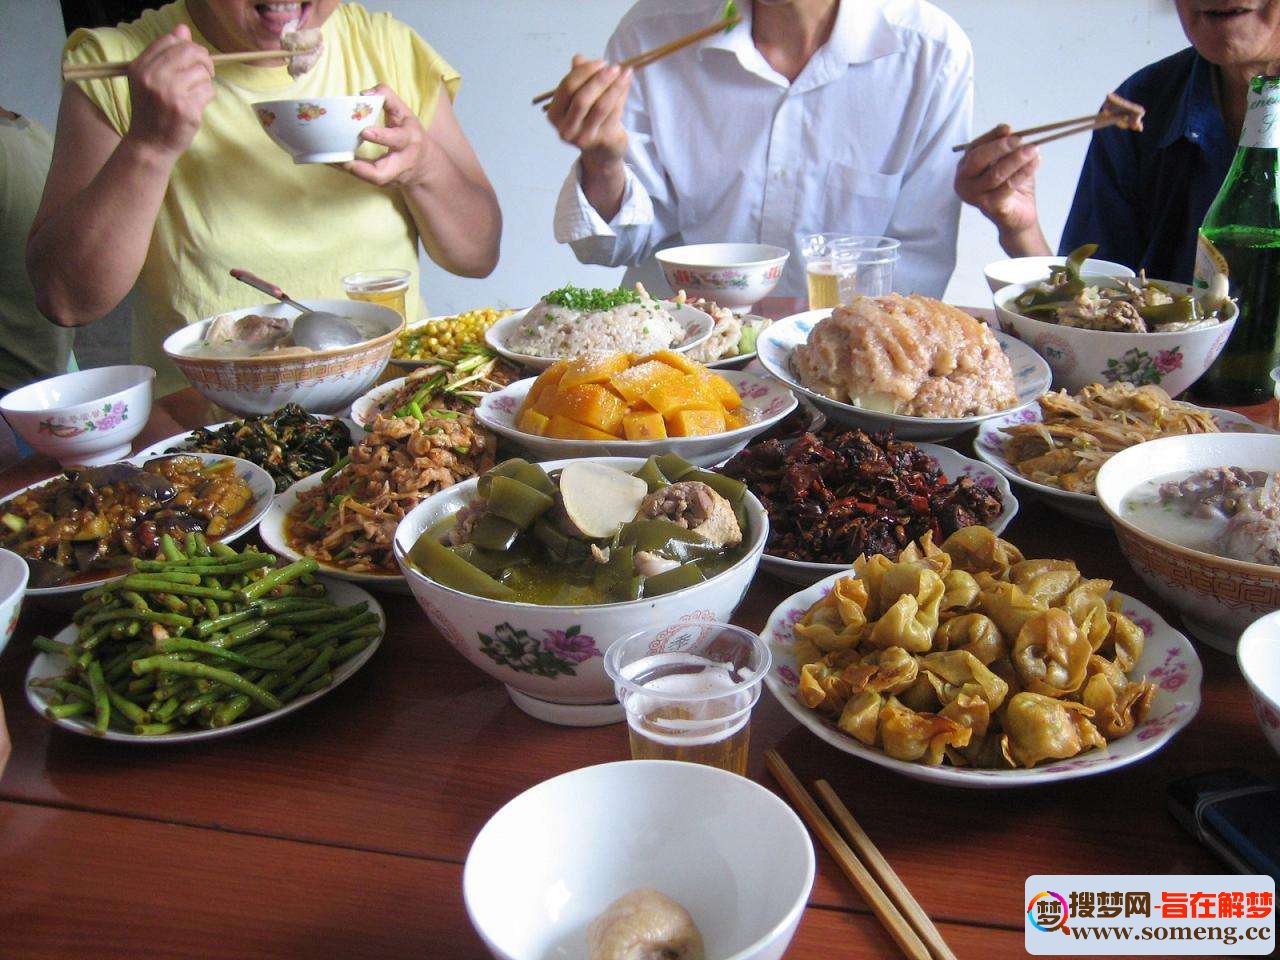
x: 166, y: 179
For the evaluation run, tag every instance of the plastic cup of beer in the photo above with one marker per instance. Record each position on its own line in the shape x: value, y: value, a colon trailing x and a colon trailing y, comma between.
x: 824, y: 289
x: 386, y: 288
x: 688, y: 690
x: 863, y: 266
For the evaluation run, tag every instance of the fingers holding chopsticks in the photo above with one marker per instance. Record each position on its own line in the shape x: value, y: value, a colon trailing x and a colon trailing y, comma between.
x: 170, y: 84
x: 997, y: 175
x: 586, y: 109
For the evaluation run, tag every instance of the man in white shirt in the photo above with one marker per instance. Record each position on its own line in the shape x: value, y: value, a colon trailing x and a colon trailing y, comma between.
x: 810, y: 116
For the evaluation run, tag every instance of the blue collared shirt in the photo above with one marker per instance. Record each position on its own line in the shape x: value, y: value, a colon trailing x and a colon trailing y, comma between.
x: 1142, y: 197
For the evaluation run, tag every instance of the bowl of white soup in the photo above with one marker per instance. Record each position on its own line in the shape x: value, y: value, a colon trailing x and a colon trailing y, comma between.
x: 1198, y: 518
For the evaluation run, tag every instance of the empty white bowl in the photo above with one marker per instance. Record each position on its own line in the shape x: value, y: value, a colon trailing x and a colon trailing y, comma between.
x: 13, y: 585
x: 734, y: 275
x: 1079, y: 357
x: 1003, y: 273
x: 730, y: 851
x: 1259, y: 657
x: 88, y: 418
x: 319, y: 129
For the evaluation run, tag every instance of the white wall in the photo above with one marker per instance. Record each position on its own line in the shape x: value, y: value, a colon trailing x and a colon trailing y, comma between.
x: 1037, y: 60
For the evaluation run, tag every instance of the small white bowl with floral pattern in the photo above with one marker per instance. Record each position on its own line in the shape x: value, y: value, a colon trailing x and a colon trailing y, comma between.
x: 764, y: 399
x: 734, y: 275
x: 319, y: 129
x: 1168, y: 660
x: 86, y: 418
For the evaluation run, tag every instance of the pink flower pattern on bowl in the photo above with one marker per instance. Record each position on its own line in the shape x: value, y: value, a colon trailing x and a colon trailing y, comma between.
x: 65, y: 428
x: 267, y: 117
x: 361, y: 111
x: 310, y: 111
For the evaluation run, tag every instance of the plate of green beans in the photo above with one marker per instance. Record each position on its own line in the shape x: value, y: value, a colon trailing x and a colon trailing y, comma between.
x: 202, y: 642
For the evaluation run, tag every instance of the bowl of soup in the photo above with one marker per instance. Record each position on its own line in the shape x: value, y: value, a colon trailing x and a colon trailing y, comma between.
x: 1198, y: 518
x: 255, y: 368
x: 532, y: 570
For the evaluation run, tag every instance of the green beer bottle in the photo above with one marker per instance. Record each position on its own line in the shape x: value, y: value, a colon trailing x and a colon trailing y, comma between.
x: 1241, y: 237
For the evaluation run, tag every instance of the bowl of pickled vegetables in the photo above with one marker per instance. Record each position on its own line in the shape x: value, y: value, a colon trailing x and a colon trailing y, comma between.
x: 1118, y: 329
x: 532, y: 570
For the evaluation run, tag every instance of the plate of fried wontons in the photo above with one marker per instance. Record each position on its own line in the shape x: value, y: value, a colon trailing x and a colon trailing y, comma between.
x: 966, y: 663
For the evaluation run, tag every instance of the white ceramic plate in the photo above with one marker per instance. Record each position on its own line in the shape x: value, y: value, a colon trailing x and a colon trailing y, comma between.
x: 954, y: 465
x: 1168, y: 660
x: 1031, y: 378
x: 697, y: 325
x: 989, y: 445
x: 769, y: 399
x: 365, y: 409
x: 260, y: 483
x: 48, y: 665
x: 272, y: 532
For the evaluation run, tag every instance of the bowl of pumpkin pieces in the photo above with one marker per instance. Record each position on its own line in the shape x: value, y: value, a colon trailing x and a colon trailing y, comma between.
x: 635, y: 405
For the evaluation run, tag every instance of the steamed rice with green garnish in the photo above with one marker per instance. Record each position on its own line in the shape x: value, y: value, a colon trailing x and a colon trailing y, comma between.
x: 573, y: 321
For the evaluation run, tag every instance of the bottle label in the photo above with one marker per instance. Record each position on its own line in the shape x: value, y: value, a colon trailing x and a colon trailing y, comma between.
x: 1262, y: 119
x: 1212, y: 272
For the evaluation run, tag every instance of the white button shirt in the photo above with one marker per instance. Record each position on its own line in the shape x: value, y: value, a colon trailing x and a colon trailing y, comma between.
x: 722, y: 148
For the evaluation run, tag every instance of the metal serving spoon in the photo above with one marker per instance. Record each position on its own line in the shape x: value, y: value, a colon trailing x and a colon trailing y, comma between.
x: 313, y: 329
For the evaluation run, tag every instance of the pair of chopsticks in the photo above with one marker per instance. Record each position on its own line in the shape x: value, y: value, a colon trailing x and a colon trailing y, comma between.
x: 1085, y: 124
x: 120, y: 68
x: 868, y: 870
x: 641, y: 60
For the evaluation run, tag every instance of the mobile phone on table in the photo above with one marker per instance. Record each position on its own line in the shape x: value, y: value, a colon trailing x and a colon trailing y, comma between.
x: 1235, y: 814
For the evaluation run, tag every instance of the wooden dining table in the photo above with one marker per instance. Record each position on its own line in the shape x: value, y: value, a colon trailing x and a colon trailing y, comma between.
x: 341, y: 830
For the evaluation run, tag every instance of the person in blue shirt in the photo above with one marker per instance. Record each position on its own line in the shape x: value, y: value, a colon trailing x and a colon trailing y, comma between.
x: 1142, y: 196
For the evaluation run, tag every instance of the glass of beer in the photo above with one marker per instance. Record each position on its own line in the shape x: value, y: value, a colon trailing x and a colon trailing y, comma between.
x: 824, y: 290
x: 386, y: 288
x: 863, y: 266
x: 688, y: 690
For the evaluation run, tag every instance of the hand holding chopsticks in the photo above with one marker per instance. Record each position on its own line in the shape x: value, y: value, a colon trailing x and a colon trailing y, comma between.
x: 120, y: 68
x: 886, y: 894
x: 641, y: 60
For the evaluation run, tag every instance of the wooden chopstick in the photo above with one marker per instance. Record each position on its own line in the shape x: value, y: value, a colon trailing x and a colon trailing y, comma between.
x: 119, y: 68
x: 1103, y: 120
x: 883, y: 872
x: 641, y: 60
x: 888, y: 914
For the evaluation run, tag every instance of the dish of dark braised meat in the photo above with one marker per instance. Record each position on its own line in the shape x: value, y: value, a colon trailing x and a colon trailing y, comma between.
x: 289, y: 444
x: 841, y: 493
x: 91, y: 521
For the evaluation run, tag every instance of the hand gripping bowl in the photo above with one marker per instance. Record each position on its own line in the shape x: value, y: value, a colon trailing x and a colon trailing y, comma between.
x: 551, y: 657
x: 321, y: 382
x: 1217, y: 597
x: 1078, y: 357
x: 727, y: 849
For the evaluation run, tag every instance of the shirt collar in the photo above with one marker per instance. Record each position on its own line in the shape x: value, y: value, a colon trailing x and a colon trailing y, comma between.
x: 1196, y: 116
x: 860, y: 34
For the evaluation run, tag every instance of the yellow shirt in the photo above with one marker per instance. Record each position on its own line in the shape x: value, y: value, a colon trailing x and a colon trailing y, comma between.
x: 236, y: 199
x: 31, y: 348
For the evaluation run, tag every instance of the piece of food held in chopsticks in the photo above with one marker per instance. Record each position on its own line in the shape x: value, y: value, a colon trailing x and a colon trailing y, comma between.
x: 1116, y: 112
x: 972, y: 655
x: 304, y: 45
x: 300, y: 49
x: 201, y: 637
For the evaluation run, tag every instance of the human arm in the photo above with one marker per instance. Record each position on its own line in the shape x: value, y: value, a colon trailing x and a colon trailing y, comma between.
x: 93, y: 227
x: 997, y: 175
x: 437, y: 173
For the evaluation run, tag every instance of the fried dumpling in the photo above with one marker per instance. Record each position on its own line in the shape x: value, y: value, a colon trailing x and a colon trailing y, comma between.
x: 957, y: 671
x: 978, y: 550
x: 860, y: 717
x: 871, y: 571
x: 927, y: 552
x: 918, y: 581
x: 975, y: 713
x: 975, y: 633
x: 1045, y: 581
x: 824, y: 624
x: 1040, y: 728
x: 920, y: 696
x: 1087, y: 605
x: 1006, y: 604
x: 909, y: 735
x: 1051, y: 655
x: 890, y: 670
x: 961, y: 593
x: 1124, y: 641
x: 903, y: 625
x: 1117, y: 708
x: 822, y: 687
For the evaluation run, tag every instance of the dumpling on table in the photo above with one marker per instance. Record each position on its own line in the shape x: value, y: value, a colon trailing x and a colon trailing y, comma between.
x: 890, y: 670
x: 956, y: 672
x: 1007, y: 606
x: 978, y: 550
x: 1051, y: 655
x: 907, y: 734
x: 974, y: 633
x: 1045, y: 581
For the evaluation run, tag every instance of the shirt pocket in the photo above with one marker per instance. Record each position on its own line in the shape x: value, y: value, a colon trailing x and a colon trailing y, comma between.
x: 858, y: 201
